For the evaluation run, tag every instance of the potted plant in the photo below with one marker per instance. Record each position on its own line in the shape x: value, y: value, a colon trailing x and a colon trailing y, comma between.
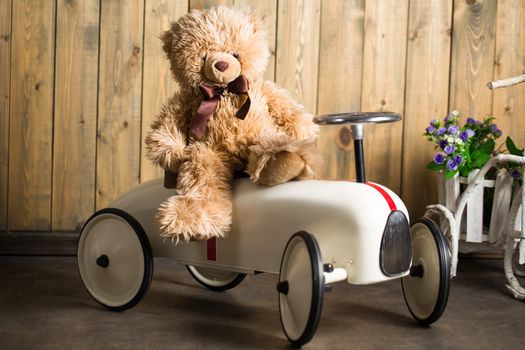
x: 461, y: 151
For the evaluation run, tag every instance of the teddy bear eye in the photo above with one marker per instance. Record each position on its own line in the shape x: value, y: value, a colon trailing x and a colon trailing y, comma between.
x: 235, y: 54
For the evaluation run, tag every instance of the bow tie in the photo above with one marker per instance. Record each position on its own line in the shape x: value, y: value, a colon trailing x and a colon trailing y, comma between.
x: 210, y: 99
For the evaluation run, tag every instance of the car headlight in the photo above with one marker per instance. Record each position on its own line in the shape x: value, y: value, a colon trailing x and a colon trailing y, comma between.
x: 396, y: 245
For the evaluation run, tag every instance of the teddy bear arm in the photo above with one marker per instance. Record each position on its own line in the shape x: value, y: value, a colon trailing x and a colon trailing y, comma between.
x: 277, y: 158
x: 166, y: 141
x: 289, y: 115
x: 202, y: 207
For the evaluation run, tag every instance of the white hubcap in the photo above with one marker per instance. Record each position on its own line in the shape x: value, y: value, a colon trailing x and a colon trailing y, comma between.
x: 421, y: 293
x: 295, y: 305
x: 119, y: 282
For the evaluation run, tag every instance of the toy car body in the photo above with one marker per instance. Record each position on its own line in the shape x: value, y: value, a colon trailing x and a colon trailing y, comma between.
x: 347, y: 219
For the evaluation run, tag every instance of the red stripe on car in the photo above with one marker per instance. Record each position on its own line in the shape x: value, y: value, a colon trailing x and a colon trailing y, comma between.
x: 211, y: 249
x: 385, y: 195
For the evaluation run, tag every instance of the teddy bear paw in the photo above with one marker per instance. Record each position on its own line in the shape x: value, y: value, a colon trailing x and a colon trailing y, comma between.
x: 186, y: 217
x: 283, y: 167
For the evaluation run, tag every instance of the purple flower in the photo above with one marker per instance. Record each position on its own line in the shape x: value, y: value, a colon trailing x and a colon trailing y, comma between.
x: 453, y: 130
x: 449, y: 118
x: 452, y: 165
x: 442, y: 131
x: 442, y: 143
x: 439, y: 158
x: 430, y: 129
x: 515, y: 174
x: 465, y: 135
x: 458, y: 159
x: 494, y: 129
x: 449, y: 149
x: 474, y: 122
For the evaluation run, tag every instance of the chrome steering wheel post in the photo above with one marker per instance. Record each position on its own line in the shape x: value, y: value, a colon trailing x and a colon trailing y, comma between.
x: 356, y: 122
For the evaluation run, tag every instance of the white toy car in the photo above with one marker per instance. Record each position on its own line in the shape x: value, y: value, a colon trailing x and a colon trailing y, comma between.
x: 312, y: 233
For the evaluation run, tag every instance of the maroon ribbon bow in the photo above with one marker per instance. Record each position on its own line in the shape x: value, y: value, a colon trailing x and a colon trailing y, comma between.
x: 210, y: 98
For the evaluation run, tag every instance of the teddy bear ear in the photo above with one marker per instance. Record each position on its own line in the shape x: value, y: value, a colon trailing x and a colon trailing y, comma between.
x: 169, y: 38
x: 255, y: 20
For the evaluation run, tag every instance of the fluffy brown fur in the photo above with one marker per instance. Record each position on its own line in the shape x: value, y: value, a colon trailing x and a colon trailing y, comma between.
x: 274, y: 143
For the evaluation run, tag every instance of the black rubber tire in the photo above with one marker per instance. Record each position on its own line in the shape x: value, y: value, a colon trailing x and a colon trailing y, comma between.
x: 146, y: 249
x: 444, y: 277
x: 234, y: 283
x: 317, y: 280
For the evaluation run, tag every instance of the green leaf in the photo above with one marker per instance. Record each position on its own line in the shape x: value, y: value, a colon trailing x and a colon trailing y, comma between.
x: 464, y: 170
x: 511, y: 146
x: 479, y: 159
x: 433, y: 166
x: 487, y: 147
x: 475, y: 155
x: 450, y: 174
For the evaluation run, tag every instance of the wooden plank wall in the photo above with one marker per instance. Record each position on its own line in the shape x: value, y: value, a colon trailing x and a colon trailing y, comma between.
x: 426, y: 93
x: 342, y: 29
x: 80, y: 81
x: 75, y: 123
x: 5, y: 75
x: 383, y: 86
x: 31, y: 115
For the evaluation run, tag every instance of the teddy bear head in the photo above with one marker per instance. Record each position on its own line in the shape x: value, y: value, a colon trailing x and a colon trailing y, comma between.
x: 216, y: 46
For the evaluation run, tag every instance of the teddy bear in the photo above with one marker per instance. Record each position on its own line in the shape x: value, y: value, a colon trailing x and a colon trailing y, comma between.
x: 224, y: 118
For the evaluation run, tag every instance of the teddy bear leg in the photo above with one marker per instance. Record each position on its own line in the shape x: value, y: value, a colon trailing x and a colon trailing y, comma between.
x: 277, y: 160
x: 202, y: 207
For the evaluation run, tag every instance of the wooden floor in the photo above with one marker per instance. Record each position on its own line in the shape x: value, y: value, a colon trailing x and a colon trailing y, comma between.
x: 43, y: 305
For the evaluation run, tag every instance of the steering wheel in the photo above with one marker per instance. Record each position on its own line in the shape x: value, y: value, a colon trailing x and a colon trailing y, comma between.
x: 356, y: 118
x: 356, y: 121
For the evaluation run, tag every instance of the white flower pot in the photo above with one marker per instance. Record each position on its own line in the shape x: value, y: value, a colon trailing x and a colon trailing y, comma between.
x: 472, y: 229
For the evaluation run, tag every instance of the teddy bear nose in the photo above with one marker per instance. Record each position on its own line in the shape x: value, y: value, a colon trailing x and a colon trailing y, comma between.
x: 221, y: 66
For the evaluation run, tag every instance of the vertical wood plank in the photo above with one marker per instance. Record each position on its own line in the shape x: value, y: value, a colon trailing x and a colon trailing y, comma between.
x: 448, y: 190
x: 120, y: 80
x: 474, y: 212
x: 5, y: 74
x: 500, y: 206
x: 298, y: 50
x: 340, y: 71
x: 473, y: 42
x: 519, y: 225
x: 31, y: 115
x: 75, y: 113
x: 158, y: 84
x: 268, y: 11
x: 426, y: 98
x: 509, y: 103
x: 384, y: 86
